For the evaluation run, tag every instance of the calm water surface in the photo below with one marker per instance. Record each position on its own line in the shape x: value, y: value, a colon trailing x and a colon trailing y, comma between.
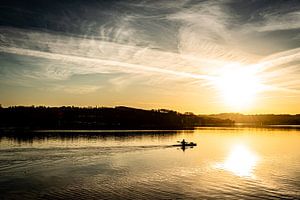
x: 228, y: 163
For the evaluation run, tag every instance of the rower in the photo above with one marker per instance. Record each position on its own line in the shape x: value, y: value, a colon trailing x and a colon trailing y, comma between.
x: 183, y: 142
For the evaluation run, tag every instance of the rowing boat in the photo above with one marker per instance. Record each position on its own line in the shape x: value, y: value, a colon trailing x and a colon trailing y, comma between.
x: 190, y: 144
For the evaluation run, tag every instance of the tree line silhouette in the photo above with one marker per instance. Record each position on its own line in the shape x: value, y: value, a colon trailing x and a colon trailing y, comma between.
x: 261, y: 119
x: 33, y: 118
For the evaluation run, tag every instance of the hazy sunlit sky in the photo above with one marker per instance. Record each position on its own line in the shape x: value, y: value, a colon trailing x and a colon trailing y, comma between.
x: 199, y: 56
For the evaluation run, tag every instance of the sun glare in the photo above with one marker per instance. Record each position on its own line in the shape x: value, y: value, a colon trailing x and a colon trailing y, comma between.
x: 238, y: 86
x: 241, y: 161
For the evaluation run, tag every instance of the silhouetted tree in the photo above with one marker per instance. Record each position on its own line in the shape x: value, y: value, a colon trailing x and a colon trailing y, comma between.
x: 100, y: 118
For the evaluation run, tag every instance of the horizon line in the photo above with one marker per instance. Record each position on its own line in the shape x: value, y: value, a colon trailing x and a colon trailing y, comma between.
x: 148, y: 109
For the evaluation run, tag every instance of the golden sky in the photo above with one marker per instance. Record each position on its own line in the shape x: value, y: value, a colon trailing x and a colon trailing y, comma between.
x: 203, y: 57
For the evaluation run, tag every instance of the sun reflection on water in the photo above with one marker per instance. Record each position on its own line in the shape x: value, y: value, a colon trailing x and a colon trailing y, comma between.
x: 241, y: 161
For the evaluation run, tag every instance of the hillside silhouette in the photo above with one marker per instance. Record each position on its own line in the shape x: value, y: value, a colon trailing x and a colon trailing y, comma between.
x: 261, y: 119
x: 60, y: 118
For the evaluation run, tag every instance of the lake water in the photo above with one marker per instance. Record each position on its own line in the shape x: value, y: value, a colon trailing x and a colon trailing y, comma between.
x: 228, y: 163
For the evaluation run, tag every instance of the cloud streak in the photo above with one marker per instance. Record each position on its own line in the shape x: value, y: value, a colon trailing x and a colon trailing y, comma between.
x: 176, y: 42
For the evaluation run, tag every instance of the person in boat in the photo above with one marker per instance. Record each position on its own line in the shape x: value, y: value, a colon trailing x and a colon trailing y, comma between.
x: 183, y: 142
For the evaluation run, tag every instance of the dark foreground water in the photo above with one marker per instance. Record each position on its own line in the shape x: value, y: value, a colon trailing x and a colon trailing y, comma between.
x: 230, y: 163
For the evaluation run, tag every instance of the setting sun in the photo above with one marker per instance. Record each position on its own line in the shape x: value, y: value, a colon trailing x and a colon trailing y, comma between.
x: 238, y: 86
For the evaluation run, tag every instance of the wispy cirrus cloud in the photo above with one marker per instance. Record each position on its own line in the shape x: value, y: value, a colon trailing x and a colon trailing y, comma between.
x: 156, y: 44
x: 277, y: 21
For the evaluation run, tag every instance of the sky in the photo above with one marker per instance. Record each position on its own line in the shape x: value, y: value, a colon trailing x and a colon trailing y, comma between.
x: 190, y: 56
